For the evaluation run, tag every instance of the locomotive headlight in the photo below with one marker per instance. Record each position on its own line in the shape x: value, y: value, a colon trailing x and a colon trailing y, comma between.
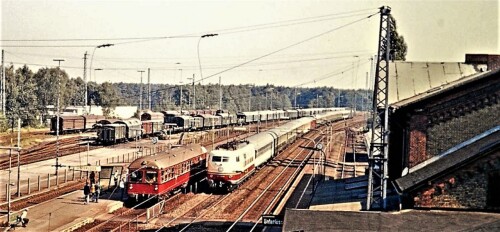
x: 220, y: 169
x: 130, y: 186
x: 230, y: 176
x: 211, y: 176
x: 156, y: 187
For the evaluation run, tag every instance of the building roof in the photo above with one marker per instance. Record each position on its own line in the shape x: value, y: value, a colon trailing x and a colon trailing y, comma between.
x: 410, y: 79
x: 451, y: 159
x: 407, y: 220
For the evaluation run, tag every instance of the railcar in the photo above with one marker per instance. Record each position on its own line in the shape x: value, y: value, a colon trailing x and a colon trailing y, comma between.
x: 151, y: 127
x: 227, y: 119
x: 91, y: 120
x: 230, y: 165
x: 208, y: 121
x: 185, y: 123
x: 112, y: 133
x: 292, y: 113
x: 169, y: 115
x: 150, y: 115
x: 67, y: 124
x: 249, y: 117
x: 166, y: 172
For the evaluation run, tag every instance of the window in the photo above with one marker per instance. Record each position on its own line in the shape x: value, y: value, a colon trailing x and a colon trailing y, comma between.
x: 216, y: 159
x: 151, y: 176
x: 220, y: 159
x: 136, y: 176
x: 237, y: 159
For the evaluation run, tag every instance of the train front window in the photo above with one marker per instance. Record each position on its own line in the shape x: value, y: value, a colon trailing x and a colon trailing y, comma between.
x: 151, y: 176
x: 136, y: 176
x: 220, y: 158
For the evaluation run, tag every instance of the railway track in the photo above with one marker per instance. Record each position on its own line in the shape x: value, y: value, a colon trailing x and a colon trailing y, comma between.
x: 44, y: 151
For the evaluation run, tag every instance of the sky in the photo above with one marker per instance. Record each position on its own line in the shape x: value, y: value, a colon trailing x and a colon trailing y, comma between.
x: 299, y: 43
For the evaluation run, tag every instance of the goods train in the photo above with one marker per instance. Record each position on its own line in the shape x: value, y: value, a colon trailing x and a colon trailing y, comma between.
x: 166, y: 172
x: 152, y: 123
x: 231, y: 164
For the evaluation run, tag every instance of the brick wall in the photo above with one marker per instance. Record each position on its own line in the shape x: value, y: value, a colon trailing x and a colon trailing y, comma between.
x: 443, y: 136
x: 466, y: 188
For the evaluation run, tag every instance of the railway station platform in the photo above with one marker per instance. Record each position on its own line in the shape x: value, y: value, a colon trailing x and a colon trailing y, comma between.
x: 66, y: 213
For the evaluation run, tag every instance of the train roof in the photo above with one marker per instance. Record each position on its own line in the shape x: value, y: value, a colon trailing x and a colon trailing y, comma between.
x: 94, y: 117
x: 292, y: 125
x: 149, y: 115
x: 184, y: 117
x: 248, y: 113
x: 169, y: 157
x: 170, y: 112
x: 68, y: 117
x: 206, y: 116
x: 113, y: 125
x: 130, y: 122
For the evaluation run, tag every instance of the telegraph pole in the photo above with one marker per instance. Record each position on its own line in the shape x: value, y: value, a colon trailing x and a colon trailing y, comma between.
x: 220, y: 95
x: 58, y: 116
x: 85, y: 80
x: 140, y: 91
x: 149, y: 89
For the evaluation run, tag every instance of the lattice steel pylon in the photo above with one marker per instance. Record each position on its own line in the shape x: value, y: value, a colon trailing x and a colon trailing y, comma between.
x: 379, y: 146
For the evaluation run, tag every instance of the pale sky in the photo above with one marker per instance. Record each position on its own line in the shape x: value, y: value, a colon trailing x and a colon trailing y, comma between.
x: 440, y: 31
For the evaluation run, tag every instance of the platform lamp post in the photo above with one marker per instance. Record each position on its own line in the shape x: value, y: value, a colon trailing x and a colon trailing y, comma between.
x: 90, y: 77
x: 198, y: 50
x: 140, y: 91
x: 194, y: 92
x: 295, y: 103
x: 57, y: 118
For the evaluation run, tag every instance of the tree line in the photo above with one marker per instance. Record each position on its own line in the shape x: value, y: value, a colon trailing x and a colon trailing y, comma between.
x: 29, y: 95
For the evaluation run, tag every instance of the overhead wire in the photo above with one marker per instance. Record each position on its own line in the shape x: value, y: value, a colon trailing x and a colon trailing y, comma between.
x: 289, y: 46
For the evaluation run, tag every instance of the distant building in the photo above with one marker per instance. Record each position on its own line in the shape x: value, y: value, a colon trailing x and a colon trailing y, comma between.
x: 118, y: 112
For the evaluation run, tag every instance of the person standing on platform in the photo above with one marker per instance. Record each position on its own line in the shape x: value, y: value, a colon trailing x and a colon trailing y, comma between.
x: 86, y: 192
x: 97, y: 192
x: 92, y: 191
x: 122, y: 188
x: 115, y: 177
x: 92, y: 177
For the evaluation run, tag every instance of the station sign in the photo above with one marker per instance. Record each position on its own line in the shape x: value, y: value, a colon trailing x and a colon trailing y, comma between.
x: 88, y: 168
x: 272, y: 220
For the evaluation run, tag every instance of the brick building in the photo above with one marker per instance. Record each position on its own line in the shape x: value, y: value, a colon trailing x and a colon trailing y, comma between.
x: 436, y: 144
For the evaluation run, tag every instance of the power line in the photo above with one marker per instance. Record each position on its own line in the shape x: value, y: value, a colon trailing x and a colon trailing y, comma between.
x: 289, y: 46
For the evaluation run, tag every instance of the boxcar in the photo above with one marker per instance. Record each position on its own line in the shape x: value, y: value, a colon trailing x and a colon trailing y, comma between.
x: 112, y: 133
x: 133, y: 127
x: 68, y: 124
x: 150, y: 115
x: 91, y: 120
x: 209, y: 121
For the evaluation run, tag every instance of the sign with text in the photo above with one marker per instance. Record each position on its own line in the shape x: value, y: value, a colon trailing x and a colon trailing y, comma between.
x: 88, y: 168
x: 272, y: 220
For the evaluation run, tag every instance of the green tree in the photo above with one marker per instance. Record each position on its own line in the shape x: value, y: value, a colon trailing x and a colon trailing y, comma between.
x: 399, y: 48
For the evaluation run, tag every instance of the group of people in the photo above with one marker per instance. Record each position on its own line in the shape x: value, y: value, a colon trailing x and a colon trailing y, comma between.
x: 92, y: 190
